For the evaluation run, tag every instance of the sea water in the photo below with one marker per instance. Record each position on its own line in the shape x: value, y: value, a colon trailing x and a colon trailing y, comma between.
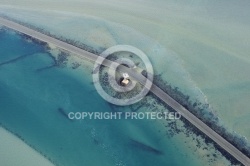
x: 35, y: 103
x: 209, y: 37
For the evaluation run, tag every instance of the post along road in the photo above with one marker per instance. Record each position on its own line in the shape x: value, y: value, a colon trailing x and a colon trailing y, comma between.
x: 138, y: 77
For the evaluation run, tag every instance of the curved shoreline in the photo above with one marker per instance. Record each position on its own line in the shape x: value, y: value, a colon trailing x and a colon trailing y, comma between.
x: 26, y: 154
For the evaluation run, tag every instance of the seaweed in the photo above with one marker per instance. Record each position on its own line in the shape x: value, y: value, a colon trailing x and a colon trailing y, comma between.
x: 145, y: 147
x: 199, y: 110
x: 17, y: 59
x: 63, y: 113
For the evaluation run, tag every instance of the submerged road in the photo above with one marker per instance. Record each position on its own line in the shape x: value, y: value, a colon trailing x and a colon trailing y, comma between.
x: 140, y: 78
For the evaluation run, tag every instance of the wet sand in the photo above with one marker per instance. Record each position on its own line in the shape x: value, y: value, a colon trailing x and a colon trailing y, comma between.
x: 14, y: 151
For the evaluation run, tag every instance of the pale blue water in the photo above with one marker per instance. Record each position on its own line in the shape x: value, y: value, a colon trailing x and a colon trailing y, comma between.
x: 29, y: 107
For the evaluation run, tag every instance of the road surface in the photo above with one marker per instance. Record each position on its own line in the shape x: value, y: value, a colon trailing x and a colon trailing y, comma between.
x: 140, y: 78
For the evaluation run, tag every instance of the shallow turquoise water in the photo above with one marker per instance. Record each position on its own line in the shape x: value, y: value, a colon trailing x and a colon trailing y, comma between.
x: 29, y: 107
